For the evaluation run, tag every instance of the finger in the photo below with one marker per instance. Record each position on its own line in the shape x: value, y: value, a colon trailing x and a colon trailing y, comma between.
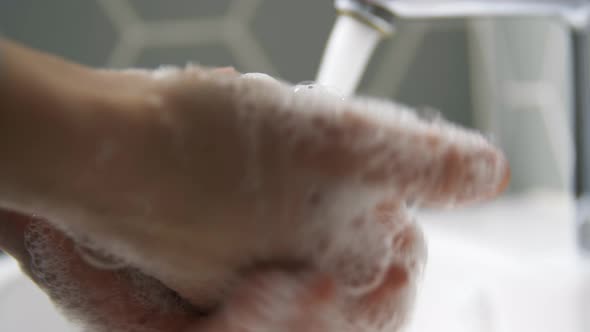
x: 358, y: 252
x: 384, y: 145
x: 387, y: 306
x: 379, y: 143
x: 275, y: 301
x: 101, y: 300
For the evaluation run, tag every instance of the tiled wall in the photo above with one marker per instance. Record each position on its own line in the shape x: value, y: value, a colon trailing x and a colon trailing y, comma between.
x: 522, y: 86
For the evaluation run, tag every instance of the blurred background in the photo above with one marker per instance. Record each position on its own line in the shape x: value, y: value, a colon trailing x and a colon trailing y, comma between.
x: 510, y: 78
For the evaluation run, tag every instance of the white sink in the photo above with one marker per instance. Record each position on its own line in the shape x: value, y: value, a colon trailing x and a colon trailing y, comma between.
x: 511, y: 266
x: 507, y: 267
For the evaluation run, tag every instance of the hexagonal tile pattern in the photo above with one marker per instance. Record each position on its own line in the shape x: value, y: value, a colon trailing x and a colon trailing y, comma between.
x: 525, y: 131
x: 294, y: 34
x: 213, y: 55
x: 517, y: 44
x: 179, y: 9
x: 442, y: 59
x: 74, y: 29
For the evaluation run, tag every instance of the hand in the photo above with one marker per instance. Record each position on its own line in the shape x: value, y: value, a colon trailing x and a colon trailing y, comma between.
x: 216, y: 189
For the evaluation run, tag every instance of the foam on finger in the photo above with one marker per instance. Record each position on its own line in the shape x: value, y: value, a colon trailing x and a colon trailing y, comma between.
x: 378, y: 141
x: 100, y: 300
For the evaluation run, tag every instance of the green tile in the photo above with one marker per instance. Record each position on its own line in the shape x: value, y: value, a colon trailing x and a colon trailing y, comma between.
x: 179, y: 9
x: 293, y: 34
x: 439, y: 75
x: 77, y: 30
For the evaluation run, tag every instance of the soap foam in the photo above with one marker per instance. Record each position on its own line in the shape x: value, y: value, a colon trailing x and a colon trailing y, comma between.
x: 52, y: 267
x: 99, y: 258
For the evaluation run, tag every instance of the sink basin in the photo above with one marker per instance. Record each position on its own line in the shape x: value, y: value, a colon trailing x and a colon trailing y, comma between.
x: 510, y: 266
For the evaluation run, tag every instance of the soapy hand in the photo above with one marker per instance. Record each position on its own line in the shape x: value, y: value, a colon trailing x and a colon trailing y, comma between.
x: 202, y: 200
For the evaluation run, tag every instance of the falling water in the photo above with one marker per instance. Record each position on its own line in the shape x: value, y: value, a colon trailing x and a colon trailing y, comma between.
x: 348, y: 51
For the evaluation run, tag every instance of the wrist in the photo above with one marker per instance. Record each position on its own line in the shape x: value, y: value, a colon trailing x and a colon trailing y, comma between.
x: 48, y: 115
x: 35, y: 80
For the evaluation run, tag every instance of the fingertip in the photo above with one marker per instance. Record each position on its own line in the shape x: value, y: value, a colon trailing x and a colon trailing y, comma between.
x: 468, y: 175
x: 491, y: 183
x: 387, y: 306
x: 396, y: 278
x: 321, y: 290
x: 506, y: 177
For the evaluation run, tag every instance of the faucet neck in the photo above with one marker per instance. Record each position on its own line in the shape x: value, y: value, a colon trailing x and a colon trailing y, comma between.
x: 368, y: 12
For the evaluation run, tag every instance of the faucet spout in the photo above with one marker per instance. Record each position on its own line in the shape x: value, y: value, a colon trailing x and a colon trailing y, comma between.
x: 574, y: 12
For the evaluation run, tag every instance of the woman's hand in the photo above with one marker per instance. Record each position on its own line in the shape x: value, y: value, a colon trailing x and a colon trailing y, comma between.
x: 223, y: 202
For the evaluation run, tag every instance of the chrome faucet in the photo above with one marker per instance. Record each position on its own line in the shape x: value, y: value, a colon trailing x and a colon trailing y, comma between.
x: 380, y: 12
x: 382, y: 15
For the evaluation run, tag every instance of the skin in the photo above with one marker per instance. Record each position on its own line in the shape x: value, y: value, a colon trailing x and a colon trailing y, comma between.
x: 151, y: 168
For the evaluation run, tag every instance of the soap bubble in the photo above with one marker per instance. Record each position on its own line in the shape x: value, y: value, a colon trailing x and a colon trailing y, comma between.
x: 312, y: 87
x: 258, y: 76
